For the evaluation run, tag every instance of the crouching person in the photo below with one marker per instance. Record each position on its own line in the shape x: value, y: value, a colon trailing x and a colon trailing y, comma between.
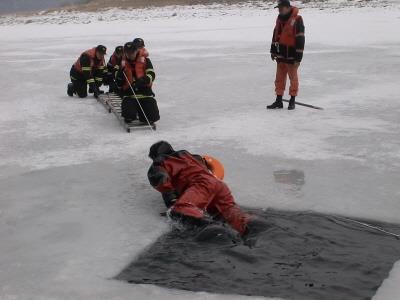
x: 137, y: 76
x: 191, y: 191
x: 90, y: 70
x: 113, y: 66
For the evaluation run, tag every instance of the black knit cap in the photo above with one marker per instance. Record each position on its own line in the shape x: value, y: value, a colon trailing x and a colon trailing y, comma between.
x: 119, y: 49
x: 282, y: 3
x: 160, y: 148
x: 128, y: 47
x: 138, y: 43
x: 101, y: 49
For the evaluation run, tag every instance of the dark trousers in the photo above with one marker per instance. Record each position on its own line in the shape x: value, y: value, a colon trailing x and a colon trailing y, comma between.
x: 131, y: 110
x: 112, y: 85
x: 79, y: 83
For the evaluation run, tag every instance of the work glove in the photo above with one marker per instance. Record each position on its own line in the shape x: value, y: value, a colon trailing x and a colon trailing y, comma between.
x: 297, y: 58
x: 273, y: 56
x: 141, y: 83
x: 188, y: 221
x: 169, y: 198
x: 135, y: 87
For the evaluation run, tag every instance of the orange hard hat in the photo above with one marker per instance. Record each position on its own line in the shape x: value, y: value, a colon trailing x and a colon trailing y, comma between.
x: 215, y: 166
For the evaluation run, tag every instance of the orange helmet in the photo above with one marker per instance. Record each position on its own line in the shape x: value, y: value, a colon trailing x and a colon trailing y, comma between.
x: 215, y: 166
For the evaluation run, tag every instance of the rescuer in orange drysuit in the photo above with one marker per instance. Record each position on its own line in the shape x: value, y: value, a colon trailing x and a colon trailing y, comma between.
x: 287, y: 49
x: 192, y: 192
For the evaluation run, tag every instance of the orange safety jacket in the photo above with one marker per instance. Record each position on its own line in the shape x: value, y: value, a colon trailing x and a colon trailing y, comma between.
x: 137, y: 69
x: 92, y: 68
x: 115, y: 62
x: 285, y: 32
x: 288, y: 38
x: 134, y: 69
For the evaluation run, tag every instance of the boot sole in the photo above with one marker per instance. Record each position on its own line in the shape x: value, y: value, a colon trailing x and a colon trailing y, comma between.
x: 274, y: 107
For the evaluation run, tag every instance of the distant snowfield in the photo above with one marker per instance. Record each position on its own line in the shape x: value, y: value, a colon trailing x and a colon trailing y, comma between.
x: 75, y: 205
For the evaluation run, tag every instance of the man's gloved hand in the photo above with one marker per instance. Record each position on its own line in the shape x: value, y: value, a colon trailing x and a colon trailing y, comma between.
x: 188, y: 220
x: 135, y: 87
x: 273, y: 56
x: 169, y: 198
x: 297, y: 58
x: 141, y: 83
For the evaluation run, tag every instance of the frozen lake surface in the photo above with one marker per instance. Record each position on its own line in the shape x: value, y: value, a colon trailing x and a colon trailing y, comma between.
x: 75, y: 204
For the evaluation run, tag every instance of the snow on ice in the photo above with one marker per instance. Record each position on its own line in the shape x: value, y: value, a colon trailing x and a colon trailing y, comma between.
x: 75, y: 205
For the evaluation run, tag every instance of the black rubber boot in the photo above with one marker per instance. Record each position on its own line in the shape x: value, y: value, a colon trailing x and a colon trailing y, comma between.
x: 277, y: 104
x: 70, y: 90
x: 292, y: 104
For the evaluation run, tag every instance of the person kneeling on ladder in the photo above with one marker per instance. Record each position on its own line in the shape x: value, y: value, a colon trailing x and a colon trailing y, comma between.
x: 137, y: 76
x: 90, y: 70
x: 113, y: 66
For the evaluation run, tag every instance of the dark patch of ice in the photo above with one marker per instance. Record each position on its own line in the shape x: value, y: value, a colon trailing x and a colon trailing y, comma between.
x: 304, y: 256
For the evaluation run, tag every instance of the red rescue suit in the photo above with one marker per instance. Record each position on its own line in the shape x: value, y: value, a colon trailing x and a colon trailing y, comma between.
x: 197, y: 191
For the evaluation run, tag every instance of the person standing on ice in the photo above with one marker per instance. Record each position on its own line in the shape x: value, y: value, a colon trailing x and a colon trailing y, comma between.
x: 136, y: 76
x: 287, y: 49
x: 192, y: 193
x: 90, y: 70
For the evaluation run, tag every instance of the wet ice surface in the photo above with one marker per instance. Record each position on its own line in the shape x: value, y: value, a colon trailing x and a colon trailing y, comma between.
x: 301, y: 256
x: 75, y: 204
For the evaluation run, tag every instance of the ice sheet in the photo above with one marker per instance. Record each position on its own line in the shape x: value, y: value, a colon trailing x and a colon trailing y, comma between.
x: 75, y: 205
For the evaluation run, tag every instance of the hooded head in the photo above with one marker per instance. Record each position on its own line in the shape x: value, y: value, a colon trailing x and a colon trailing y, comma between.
x: 160, y: 148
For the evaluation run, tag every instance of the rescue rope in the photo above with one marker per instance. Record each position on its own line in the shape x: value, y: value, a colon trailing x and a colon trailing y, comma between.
x: 137, y: 100
x: 368, y: 226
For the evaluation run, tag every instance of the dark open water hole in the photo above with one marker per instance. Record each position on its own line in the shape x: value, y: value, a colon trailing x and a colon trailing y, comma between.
x: 302, y: 256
